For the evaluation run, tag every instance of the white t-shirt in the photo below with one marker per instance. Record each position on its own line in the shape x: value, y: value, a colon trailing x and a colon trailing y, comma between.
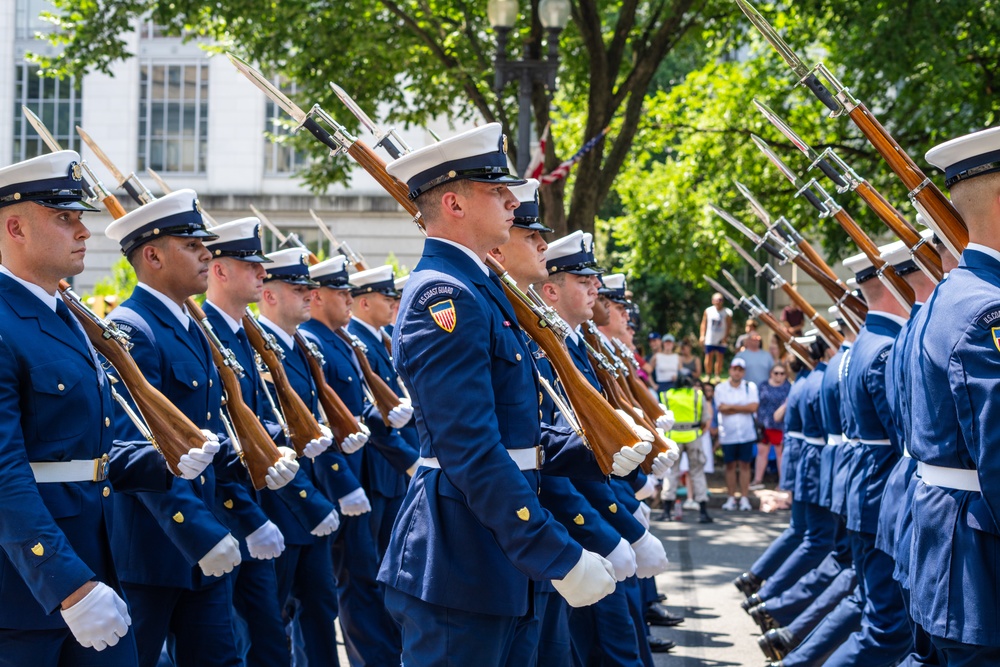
x: 737, y: 427
x: 665, y: 367
x: 715, y: 324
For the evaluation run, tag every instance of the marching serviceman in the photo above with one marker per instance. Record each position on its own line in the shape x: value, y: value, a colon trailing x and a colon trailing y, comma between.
x: 56, y: 434
x: 175, y: 548
x: 371, y: 637
x: 953, y: 367
x: 471, y: 532
x: 236, y: 279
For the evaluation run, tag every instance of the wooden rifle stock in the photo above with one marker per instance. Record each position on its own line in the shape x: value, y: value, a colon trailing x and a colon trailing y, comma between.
x: 302, y: 425
x: 649, y: 405
x: 257, y: 450
x: 924, y: 193
x: 893, y: 281
x: 342, y: 422
x: 385, y: 399
x: 925, y: 255
x: 795, y: 347
x: 174, y: 434
x: 837, y: 290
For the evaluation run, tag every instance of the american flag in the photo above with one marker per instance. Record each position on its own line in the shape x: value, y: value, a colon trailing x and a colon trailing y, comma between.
x: 537, y: 163
x: 563, y: 169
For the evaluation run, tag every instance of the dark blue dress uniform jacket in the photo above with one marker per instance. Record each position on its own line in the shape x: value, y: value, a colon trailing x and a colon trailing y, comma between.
x: 294, y: 513
x: 833, y: 424
x: 55, y: 405
x: 792, y: 445
x: 161, y: 536
x: 955, y: 406
x: 807, y: 474
x: 469, y: 536
x: 865, y: 396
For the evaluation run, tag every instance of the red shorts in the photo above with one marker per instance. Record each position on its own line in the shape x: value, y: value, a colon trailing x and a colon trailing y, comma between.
x: 773, y: 436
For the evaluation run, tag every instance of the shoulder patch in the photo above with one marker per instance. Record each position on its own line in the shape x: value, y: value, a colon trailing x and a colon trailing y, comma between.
x: 989, y: 319
x: 995, y: 336
x: 435, y: 293
x: 882, y: 356
x: 444, y: 314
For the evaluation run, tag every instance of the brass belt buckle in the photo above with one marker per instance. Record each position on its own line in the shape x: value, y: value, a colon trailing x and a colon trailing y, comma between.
x: 101, y: 468
x: 539, y: 457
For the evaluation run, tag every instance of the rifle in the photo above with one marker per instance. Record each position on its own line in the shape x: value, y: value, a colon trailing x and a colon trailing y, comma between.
x: 846, y: 179
x: 168, y: 429
x: 821, y: 200
x: 256, y: 449
x: 381, y: 396
x: 828, y: 332
x: 853, y: 309
x: 924, y: 195
x: 757, y: 310
x: 388, y: 139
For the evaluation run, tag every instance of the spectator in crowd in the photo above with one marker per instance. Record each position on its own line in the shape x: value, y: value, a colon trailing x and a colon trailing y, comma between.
x: 793, y: 319
x: 774, y: 347
x: 736, y: 401
x: 666, y: 365
x: 771, y: 416
x: 716, y: 323
x: 690, y: 364
x: 688, y: 405
x: 711, y: 435
x: 748, y: 329
x: 758, y: 361
x: 654, y: 344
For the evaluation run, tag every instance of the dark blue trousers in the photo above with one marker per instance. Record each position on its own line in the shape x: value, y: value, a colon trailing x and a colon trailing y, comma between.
x: 524, y: 650
x: 923, y: 654
x: 58, y: 648
x: 259, y: 628
x: 841, y: 587
x: 604, y: 633
x: 954, y: 654
x: 783, y: 546
x: 885, y: 637
x: 436, y: 636
x: 787, y: 606
x: 554, y: 645
x: 370, y: 635
x: 827, y: 636
x: 196, y: 624
x: 307, y: 590
x: 818, y: 541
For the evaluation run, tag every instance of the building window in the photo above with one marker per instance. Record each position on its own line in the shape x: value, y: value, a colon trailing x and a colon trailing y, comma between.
x: 57, y: 102
x: 173, y: 117
x: 279, y: 156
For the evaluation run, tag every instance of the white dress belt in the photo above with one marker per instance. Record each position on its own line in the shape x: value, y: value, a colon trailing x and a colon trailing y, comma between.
x: 814, y: 441
x: 531, y: 458
x: 81, y: 470
x: 795, y: 434
x: 876, y: 443
x: 834, y: 439
x: 959, y: 479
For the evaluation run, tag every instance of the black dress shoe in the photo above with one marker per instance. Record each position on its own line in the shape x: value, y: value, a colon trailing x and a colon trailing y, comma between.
x: 763, y: 619
x: 657, y: 614
x: 751, y: 602
x: 748, y: 583
x: 775, y: 644
x: 657, y: 645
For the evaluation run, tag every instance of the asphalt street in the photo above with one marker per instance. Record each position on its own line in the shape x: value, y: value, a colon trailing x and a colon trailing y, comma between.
x: 704, y: 560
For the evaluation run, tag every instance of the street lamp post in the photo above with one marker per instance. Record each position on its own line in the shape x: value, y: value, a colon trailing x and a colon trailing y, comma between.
x: 553, y: 14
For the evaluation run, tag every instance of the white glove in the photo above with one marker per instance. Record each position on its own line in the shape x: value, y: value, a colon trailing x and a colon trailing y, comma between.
x: 266, y: 542
x: 648, y: 489
x: 401, y: 414
x: 355, y: 503
x: 355, y: 441
x: 650, y: 558
x: 628, y: 459
x: 283, y: 471
x: 663, y: 463
x: 327, y: 525
x: 222, y: 558
x: 665, y: 421
x: 197, y: 459
x: 100, y: 619
x: 591, y: 579
x: 318, y: 445
x: 622, y: 558
x: 642, y: 514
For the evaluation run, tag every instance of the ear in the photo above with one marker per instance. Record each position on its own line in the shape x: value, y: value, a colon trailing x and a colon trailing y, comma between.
x: 550, y: 291
x: 13, y: 228
x: 452, y: 205
x: 498, y: 255
x: 268, y: 296
x: 218, y: 271
x: 151, y: 256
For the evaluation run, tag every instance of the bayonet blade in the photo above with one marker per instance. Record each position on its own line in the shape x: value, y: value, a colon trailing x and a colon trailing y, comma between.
x: 42, y: 131
x: 326, y: 230
x: 353, y: 107
x: 268, y: 88
x: 772, y: 36
x: 105, y: 160
x: 757, y: 208
x: 267, y: 223
x: 739, y: 226
x: 735, y: 283
x: 721, y: 290
x: 783, y: 127
x: 159, y: 181
x: 754, y: 264
x: 776, y: 161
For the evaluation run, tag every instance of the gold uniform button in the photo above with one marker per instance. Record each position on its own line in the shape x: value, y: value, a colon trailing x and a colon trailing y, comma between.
x: 38, y: 550
x: 107, y: 421
x: 228, y: 504
x: 518, y: 356
x: 302, y: 493
x: 613, y: 507
x: 208, y: 415
x: 523, y: 514
x: 202, y: 479
x: 539, y: 398
x: 209, y: 383
x: 578, y: 519
x: 106, y: 491
x: 350, y: 379
x: 60, y: 386
x: 179, y: 518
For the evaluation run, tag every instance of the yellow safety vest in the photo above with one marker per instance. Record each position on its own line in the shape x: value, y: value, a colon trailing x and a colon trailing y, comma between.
x: 686, y: 404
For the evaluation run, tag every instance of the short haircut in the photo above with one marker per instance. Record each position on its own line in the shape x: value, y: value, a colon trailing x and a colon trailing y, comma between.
x: 429, y: 203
